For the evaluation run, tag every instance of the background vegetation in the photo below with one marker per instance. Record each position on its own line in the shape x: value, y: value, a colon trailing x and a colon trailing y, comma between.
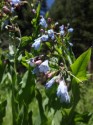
x: 79, y: 15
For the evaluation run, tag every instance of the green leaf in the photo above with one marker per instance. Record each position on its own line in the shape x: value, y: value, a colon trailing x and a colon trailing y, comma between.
x: 27, y: 88
x: 80, y: 65
x: 1, y: 70
x: 8, y: 119
x: 2, y: 110
x: 57, y: 118
x: 25, y: 40
x: 24, y: 79
x: 41, y: 110
x: 85, y: 117
x: 38, y: 10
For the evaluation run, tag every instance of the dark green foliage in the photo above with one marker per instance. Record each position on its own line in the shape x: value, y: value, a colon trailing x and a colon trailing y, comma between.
x: 80, y: 15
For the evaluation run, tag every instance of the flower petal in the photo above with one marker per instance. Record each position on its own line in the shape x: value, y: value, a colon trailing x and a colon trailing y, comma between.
x: 50, y: 83
x: 62, y: 92
x: 44, y: 67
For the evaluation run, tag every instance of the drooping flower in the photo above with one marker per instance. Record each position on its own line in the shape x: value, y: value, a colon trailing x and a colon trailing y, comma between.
x: 71, y: 44
x: 44, y: 38
x: 15, y: 1
x: 43, y: 22
x: 31, y: 62
x: 70, y: 30
x: 44, y: 67
x: 62, y: 32
x: 51, y: 34
x: 35, y: 70
x: 62, y: 92
x: 61, y: 27
x: 50, y: 83
x: 36, y: 44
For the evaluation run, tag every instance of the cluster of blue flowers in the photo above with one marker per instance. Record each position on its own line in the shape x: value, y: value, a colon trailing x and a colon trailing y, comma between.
x: 49, y: 34
x: 43, y: 66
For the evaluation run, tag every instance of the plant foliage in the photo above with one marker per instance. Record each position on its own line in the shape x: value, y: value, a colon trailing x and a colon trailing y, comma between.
x: 39, y: 75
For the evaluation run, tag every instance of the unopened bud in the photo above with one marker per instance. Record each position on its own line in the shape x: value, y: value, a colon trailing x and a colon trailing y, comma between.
x: 6, y: 10
x: 38, y: 62
x: 49, y: 20
x: 50, y: 74
x: 33, y: 11
x: 42, y: 30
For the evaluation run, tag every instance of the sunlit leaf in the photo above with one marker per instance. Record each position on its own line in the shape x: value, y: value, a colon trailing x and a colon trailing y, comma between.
x: 8, y: 119
x: 80, y: 65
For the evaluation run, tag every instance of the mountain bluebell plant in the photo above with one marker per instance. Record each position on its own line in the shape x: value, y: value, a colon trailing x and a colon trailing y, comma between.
x: 39, y: 75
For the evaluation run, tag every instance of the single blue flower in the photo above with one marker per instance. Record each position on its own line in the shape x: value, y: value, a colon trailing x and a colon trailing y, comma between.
x: 15, y: 1
x: 62, y: 32
x: 36, y: 44
x: 62, y: 92
x: 51, y: 34
x: 71, y: 44
x: 44, y: 38
x: 43, y: 22
x: 31, y: 62
x: 36, y: 70
x: 61, y: 27
x: 50, y: 83
x: 70, y: 30
x: 44, y: 67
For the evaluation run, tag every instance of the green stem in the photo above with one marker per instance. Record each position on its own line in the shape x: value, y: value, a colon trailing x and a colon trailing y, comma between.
x: 74, y: 76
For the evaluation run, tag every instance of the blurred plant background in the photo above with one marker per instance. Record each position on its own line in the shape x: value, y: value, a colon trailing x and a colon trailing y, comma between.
x: 24, y: 99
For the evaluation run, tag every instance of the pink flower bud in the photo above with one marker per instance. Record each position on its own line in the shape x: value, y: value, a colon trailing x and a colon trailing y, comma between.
x: 49, y: 20
x: 33, y: 11
x: 38, y: 62
x: 49, y: 75
x: 6, y: 10
x: 42, y: 30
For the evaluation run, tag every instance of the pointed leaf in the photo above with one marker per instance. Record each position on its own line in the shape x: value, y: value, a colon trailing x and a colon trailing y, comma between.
x: 8, y: 119
x: 80, y: 65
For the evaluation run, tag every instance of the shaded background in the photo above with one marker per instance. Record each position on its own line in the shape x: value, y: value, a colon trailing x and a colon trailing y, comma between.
x: 80, y: 16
